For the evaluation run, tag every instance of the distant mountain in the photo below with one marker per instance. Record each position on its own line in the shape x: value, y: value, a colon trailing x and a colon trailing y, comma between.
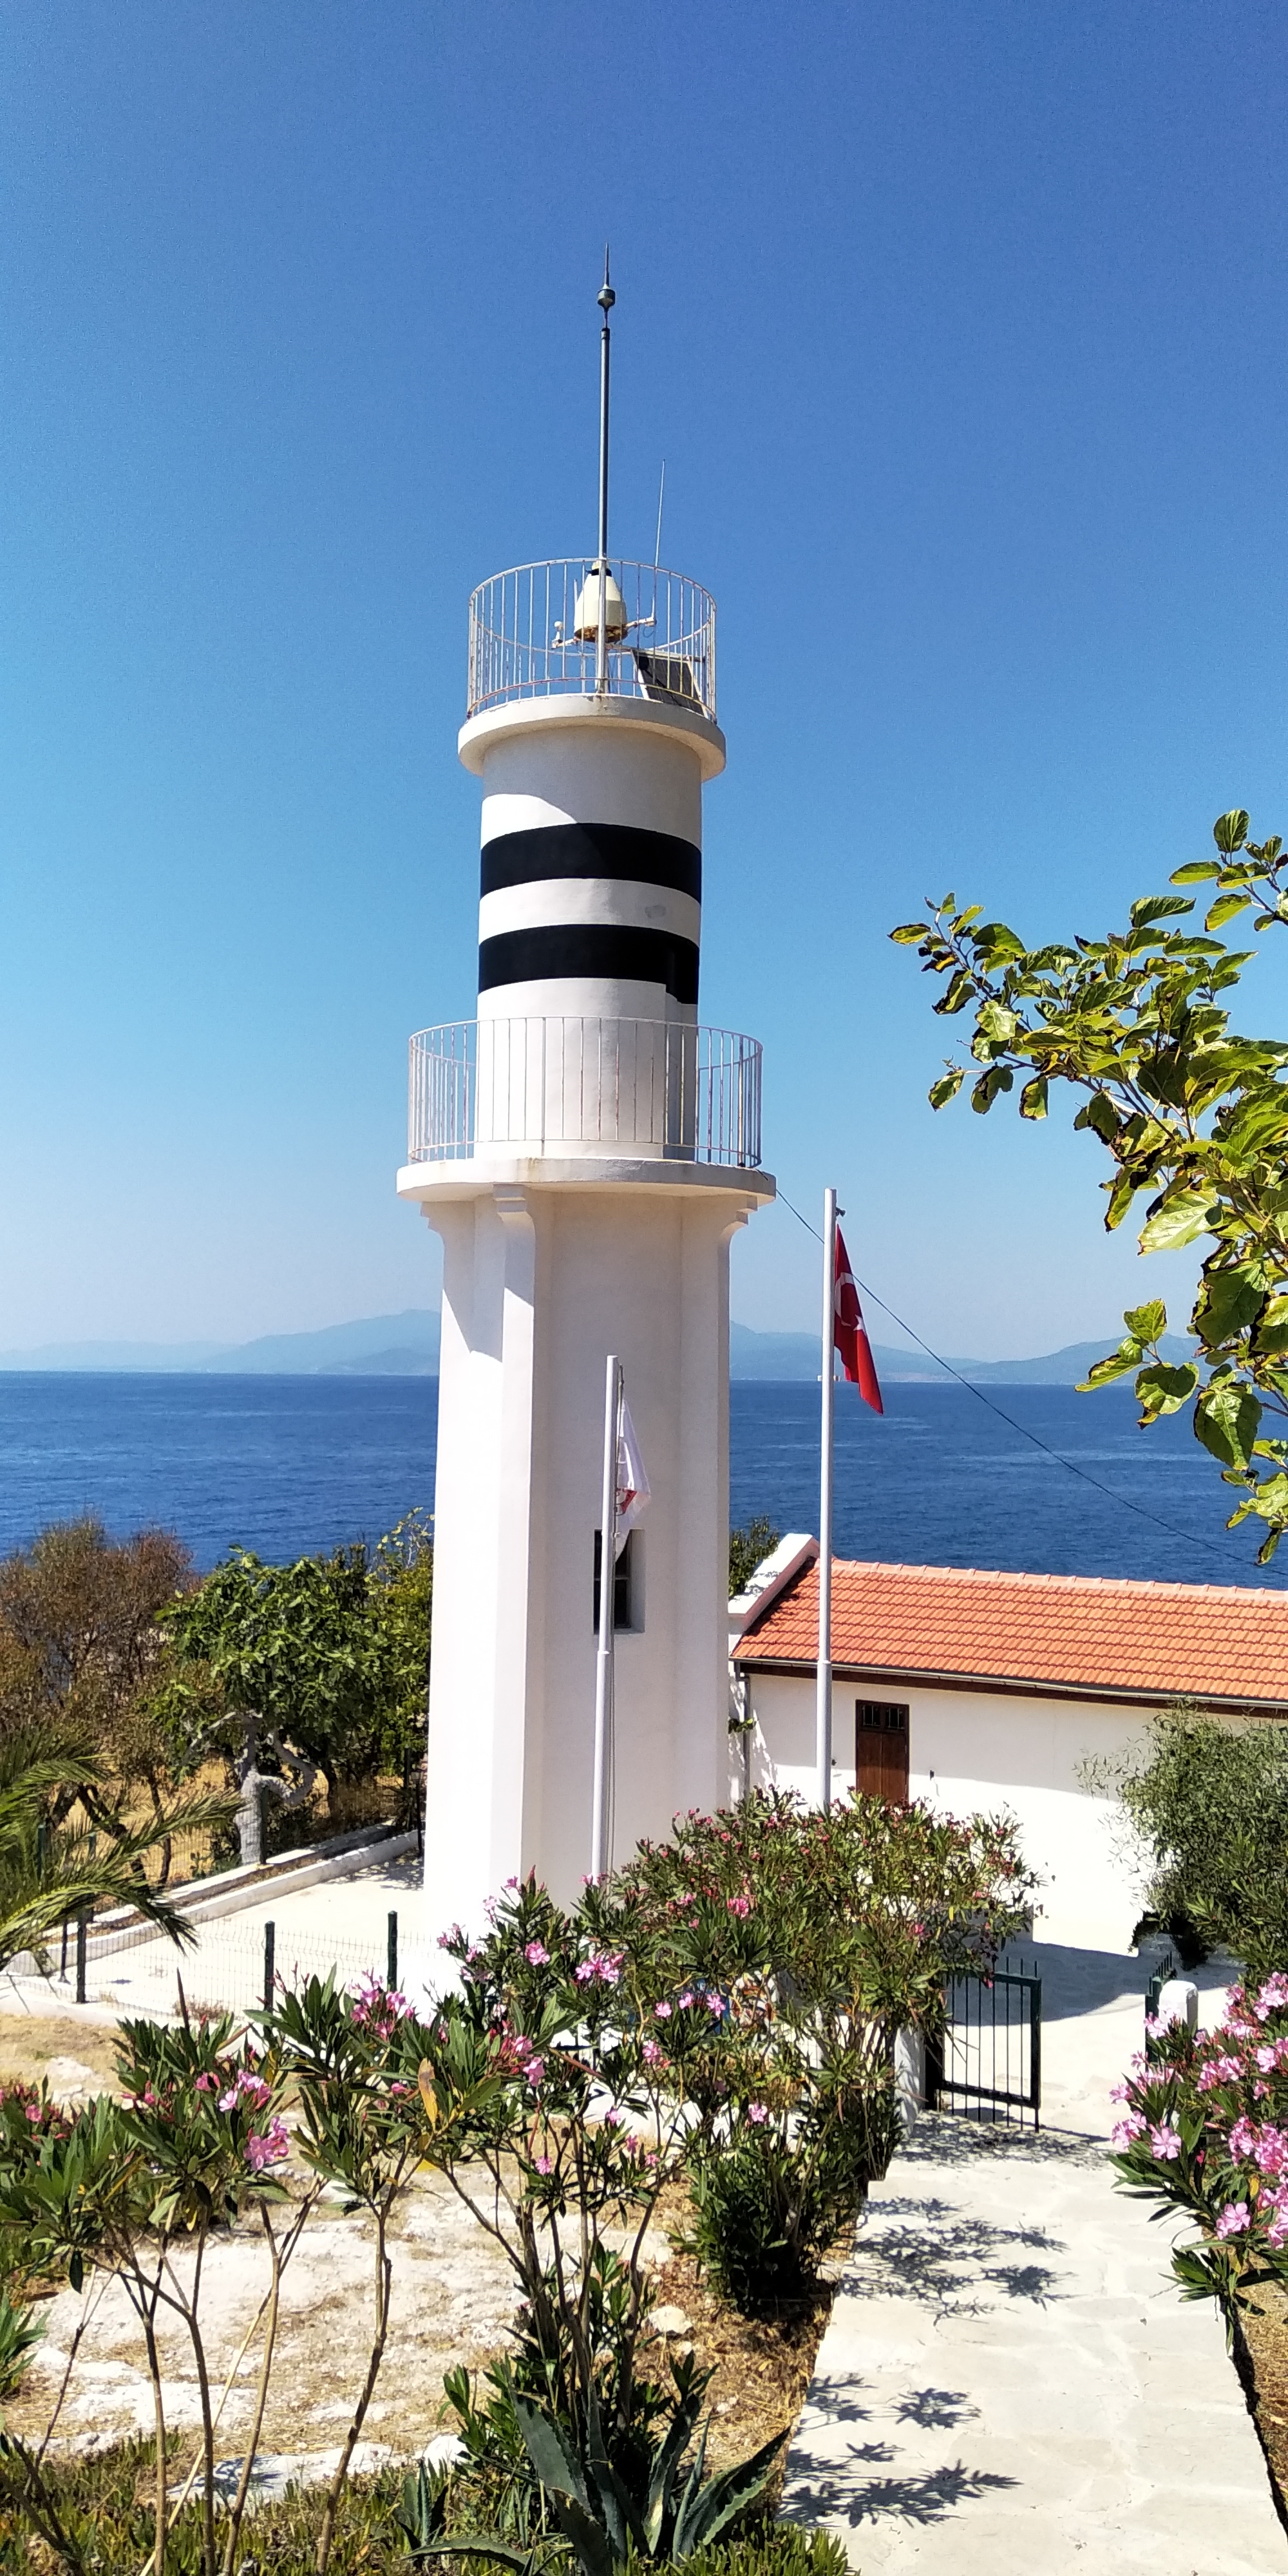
x: 116, y: 1358
x: 406, y: 1345
x: 795, y: 1355
x: 381, y: 1346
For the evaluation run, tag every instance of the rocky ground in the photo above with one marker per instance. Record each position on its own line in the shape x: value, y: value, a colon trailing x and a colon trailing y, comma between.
x: 453, y: 2302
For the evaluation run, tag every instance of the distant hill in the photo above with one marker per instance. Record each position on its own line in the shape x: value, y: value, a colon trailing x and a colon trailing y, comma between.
x: 795, y: 1355
x: 406, y: 1345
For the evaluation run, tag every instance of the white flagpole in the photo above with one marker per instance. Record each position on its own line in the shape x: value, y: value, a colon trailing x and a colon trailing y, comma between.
x: 823, y: 1707
x: 599, y: 1854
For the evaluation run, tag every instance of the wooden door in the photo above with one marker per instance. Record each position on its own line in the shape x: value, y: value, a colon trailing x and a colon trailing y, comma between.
x: 881, y: 1750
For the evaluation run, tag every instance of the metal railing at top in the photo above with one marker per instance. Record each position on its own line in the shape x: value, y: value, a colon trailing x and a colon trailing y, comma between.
x: 534, y: 632
x: 643, y: 1088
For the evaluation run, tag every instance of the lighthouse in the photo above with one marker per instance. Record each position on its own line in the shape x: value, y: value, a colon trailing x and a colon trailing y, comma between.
x: 586, y: 1149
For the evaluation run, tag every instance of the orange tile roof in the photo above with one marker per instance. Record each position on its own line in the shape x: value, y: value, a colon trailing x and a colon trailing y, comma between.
x: 1049, y: 1631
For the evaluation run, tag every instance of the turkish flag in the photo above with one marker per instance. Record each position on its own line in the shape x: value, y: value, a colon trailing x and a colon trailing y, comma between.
x: 850, y: 1333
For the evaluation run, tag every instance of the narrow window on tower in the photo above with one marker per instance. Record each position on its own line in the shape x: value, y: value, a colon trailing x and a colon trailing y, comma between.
x: 628, y: 1583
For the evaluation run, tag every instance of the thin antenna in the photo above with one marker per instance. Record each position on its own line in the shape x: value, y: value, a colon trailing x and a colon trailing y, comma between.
x: 606, y: 300
x: 661, y: 495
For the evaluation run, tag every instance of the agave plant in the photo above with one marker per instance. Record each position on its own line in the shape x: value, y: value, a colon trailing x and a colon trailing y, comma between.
x: 679, y: 2510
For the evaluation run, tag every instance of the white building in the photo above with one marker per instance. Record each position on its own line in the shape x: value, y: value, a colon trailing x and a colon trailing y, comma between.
x: 984, y: 1691
x: 586, y: 1151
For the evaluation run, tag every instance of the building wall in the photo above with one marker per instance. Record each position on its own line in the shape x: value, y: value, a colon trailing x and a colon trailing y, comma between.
x: 972, y: 1752
x: 538, y: 1284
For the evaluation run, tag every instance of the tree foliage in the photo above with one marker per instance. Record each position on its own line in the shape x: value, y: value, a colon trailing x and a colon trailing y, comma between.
x: 748, y: 1548
x: 1190, y: 1112
x: 333, y: 1651
x: 50, y: 1871
x: 82, y: 1659
x: 1209, y: 1806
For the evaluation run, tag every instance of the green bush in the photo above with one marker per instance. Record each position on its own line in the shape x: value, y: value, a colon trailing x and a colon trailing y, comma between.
x: 776, y: 2549
x: 769, y: 2203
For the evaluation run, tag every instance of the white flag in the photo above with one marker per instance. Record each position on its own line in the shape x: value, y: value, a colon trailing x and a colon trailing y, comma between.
x: 632, y: 1483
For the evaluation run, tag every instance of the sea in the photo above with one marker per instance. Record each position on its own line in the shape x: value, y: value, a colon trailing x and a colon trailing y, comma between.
x: 1033, y: 1479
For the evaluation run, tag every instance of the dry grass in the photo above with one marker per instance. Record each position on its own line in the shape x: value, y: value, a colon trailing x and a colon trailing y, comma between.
x: 29, y: 2043
x: 1265, y: 2331
x: 763, y: 2365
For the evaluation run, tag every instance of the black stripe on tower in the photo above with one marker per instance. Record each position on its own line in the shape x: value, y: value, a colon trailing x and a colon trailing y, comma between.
x: 601, y: 949
x: 618, y: 851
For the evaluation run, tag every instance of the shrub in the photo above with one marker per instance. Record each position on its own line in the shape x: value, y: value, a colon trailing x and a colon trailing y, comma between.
x: 783, y: 1952
x: 1204, y: 2129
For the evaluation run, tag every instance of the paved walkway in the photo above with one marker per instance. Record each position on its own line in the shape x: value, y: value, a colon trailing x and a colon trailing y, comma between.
x: 339, y: 1922
x: 1010, y: 2384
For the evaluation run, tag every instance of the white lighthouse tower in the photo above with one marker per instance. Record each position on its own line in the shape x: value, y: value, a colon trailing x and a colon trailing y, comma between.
x: 586, y: 1151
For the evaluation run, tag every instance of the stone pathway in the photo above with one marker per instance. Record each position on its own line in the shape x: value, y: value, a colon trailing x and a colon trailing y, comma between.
x: 1010, y: 2386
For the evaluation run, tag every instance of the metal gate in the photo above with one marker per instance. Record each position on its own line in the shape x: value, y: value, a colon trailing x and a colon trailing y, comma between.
x: 987, y: 2062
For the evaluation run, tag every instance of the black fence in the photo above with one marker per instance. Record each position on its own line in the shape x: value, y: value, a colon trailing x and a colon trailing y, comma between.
x: 986, y: 2064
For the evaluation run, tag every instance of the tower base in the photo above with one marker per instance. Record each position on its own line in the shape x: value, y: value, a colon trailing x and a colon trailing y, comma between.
x: 549, y: 1265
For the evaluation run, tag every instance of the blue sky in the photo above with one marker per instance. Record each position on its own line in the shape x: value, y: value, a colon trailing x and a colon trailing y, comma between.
x: 961, y: 331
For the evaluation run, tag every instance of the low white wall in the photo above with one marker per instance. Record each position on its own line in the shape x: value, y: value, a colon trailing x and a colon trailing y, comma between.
x: 975, y: 1751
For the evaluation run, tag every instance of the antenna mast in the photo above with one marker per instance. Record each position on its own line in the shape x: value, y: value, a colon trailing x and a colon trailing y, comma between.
x: 606, y: 300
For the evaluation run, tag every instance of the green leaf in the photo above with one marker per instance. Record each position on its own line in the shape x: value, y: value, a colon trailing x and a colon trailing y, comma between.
x: 999, y: 1077
x: 554, y: 2464
x: 1195, y: 872
x: 1177, y: 1218
x: 998, y: 1023
x: 1227, y: 1417
x: 1157, y: 907
x: 1119, y: 1363
x: 1100, y: 1115
x: 1271, y: 1336
x: 995, y: 945
x: 724, y: 2498
x: 909, y: 932
x: 947, y: 1087
x: 1229, y: 1301
x: 1225, y: 908
x: 1121, y: 1195
x: 1230, y: 831
x: 1164, y: 1390
x: 1145, y: 1323
x: 957, y: 995
x: 1033, y: 1098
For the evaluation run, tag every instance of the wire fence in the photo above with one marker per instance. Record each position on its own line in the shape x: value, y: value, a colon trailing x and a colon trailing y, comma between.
x: 232, y: 1966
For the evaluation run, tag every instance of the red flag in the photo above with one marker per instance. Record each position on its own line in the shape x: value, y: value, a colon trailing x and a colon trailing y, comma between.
x: 850, y: 1333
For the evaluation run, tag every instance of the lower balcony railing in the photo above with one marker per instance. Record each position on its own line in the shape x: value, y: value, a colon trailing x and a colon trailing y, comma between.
x: 640, y: 1088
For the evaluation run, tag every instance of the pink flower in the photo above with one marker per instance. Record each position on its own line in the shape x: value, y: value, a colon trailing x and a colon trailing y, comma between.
x: 33, y: 2112
x: 537, y: 1954
x: 1128, y: 2129
x: 544, y: 2164
x: 715, y: 2005
x: 614, y: 2119
x: 685, y: 2001
x: 757, y: 2113
x: 652, y: 2054
x: 534, y: 2070
x: 1273, y: 1995
x: 206, y: 2083
x: 662, y: 2012
x: 737, y: 1904
x: 270, y: 2149
x: 1268, y: 2059
x: 1243, y: 2138
x: 1234, y: 2218
x: 1164, y: 2143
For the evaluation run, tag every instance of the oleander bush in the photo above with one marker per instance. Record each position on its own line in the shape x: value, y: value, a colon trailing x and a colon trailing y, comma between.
x: 1203, y: 2128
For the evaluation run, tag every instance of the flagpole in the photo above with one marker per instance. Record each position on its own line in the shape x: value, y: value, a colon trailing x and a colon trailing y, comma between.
x: 599, y: 1855
x: 823, y: 1707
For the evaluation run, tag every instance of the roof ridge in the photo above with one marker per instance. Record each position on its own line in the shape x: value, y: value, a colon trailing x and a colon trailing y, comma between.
x: 1064, y: 1582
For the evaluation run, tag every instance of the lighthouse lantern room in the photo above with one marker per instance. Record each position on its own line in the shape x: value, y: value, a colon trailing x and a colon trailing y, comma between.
x: 586, y: 1150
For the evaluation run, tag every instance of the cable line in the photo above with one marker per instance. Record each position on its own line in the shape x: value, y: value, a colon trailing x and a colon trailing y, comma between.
x: 1123, y: 1500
